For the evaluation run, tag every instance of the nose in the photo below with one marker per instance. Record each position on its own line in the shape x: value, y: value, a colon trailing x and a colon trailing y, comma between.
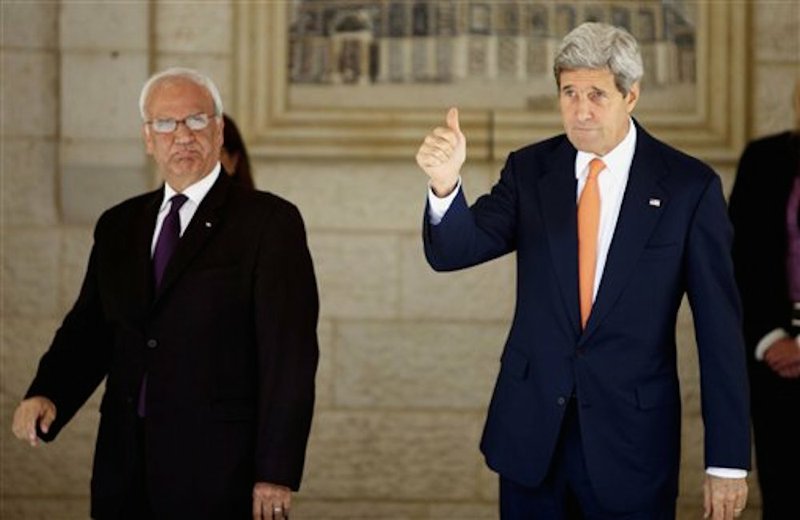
x: 583, y: 109
x: 182, y: 133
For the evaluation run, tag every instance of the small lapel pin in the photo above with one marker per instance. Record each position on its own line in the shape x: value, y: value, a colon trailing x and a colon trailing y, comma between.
x: 208, y: 224
x: 656, y: 203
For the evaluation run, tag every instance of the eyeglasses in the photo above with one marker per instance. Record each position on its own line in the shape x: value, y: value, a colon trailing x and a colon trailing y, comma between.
x: 194, y: 122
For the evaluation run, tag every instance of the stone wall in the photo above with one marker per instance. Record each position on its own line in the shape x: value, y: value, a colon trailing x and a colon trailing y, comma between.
x: 408, y: 357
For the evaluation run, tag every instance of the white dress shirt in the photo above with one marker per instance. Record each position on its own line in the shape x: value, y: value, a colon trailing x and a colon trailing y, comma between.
x: 612, y: 182
x: 195, y: 195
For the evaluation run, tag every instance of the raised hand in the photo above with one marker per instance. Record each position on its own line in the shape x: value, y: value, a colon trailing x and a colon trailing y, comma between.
x: 442, y: 154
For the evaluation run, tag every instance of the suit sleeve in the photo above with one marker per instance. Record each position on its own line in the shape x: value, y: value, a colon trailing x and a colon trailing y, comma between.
x: 79, y: 357
x: 468, y: 236
x: 717, y: 319
x: 286, y: 313
x: 756, y: 246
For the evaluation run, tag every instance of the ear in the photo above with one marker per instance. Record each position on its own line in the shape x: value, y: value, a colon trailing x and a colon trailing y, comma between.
x: 147, y: 134
x: 632, y: 98
x: 220, y: 131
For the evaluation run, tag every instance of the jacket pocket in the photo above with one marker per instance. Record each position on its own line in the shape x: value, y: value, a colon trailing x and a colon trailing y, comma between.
x: 514, y: 363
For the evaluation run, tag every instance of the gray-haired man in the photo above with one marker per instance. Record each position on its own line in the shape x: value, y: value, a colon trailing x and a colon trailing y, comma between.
x: 611, y: 228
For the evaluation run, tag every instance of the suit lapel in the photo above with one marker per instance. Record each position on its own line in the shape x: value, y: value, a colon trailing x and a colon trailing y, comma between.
x: 142, y: 243
x: 203, y: 225
x: 636, y: 222
x: 557, y: 200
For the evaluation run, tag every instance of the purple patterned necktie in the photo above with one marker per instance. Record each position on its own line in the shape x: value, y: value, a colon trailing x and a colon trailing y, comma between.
x: 793, y: 239
x: 165, y: 245
x: 168, y: 238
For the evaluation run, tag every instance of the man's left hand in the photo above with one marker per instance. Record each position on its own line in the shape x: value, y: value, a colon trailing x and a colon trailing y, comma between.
x: 271, y: 501
x: 725, y: 498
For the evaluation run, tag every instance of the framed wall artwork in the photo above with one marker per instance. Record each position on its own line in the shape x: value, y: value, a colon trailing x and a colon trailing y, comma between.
x: 369, y: 78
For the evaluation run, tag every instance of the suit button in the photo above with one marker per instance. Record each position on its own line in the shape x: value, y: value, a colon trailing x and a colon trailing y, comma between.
x: 561, y: 400
x: 580, y: 351
x: 152, y: 343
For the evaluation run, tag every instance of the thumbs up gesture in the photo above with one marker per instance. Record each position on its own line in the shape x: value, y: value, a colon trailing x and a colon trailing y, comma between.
x: 442, y: 153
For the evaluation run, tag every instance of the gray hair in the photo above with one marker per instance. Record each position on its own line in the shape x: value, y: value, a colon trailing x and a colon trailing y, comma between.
x: 192, y: 75
x: 594, y: 45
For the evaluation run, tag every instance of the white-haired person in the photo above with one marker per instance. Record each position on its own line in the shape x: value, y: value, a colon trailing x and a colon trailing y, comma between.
x: 610, y: 227
x: 199, y: 310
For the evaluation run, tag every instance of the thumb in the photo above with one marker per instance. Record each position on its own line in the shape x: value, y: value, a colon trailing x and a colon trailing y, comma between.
x: 48, y: 417
x: 452, y: 120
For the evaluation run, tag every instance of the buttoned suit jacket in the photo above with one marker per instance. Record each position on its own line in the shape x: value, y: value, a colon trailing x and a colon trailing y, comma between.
x: 228, y: 343
x: 672, y: 238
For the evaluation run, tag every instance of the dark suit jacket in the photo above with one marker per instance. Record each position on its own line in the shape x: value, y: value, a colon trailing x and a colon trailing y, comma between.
x: 622, y: 368
x: 228, y: 342
x: 758, y: 211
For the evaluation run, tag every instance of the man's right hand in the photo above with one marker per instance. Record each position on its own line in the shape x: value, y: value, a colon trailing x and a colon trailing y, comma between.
x: 30, y: 412
x: 783, y: 357
x: 442, y: 154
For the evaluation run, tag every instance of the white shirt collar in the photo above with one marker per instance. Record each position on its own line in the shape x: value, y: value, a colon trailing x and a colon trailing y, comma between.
x: 619, y: 159
x: 195, y: 192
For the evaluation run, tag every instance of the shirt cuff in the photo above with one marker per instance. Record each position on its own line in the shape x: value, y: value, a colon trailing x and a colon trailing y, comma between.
x: 438, y: 206
x: 726, y: 472
x: 768, y: 340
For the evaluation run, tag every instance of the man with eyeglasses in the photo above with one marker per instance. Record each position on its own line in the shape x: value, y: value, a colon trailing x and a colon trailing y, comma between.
x: 199, y: 308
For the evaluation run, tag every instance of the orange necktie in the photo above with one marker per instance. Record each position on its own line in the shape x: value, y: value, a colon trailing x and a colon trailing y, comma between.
x: 588, y: 226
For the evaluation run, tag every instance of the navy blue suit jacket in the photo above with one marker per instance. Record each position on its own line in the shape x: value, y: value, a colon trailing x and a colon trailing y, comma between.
x: 672, y: 238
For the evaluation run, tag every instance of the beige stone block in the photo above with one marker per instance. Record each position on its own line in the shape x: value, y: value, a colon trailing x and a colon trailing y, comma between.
x: 29, y: 182
x: 202, y: 27
x: 24, y: 340
x: 87, y: 190
x: 30, y: 272
x: 776, y: 30
x: 488, y: 483
x: 76, y: 245
x: 465, y: 511
x: 727, y: 173
x: 29, y: 25
x: 112, y: 26
x: 128, y: 153
x: 395, y: 456
x: 348, y: 195
x: 483, y: 292
x: 44, y: 508
x: 357, y: 195
x: 692, y: 458
x: 108, y: 83
x: 217, y: 67
x: 417, y: 365
x: 59, y: 468
x: 688, y: 364
x: 29, y: 91
x: 354, y: 508
x: 772, y: 100
x: 358, y: 275
x: 325, y: 373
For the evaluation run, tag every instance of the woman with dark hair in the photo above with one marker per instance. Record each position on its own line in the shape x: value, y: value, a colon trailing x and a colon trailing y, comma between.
x: 234, y: 157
